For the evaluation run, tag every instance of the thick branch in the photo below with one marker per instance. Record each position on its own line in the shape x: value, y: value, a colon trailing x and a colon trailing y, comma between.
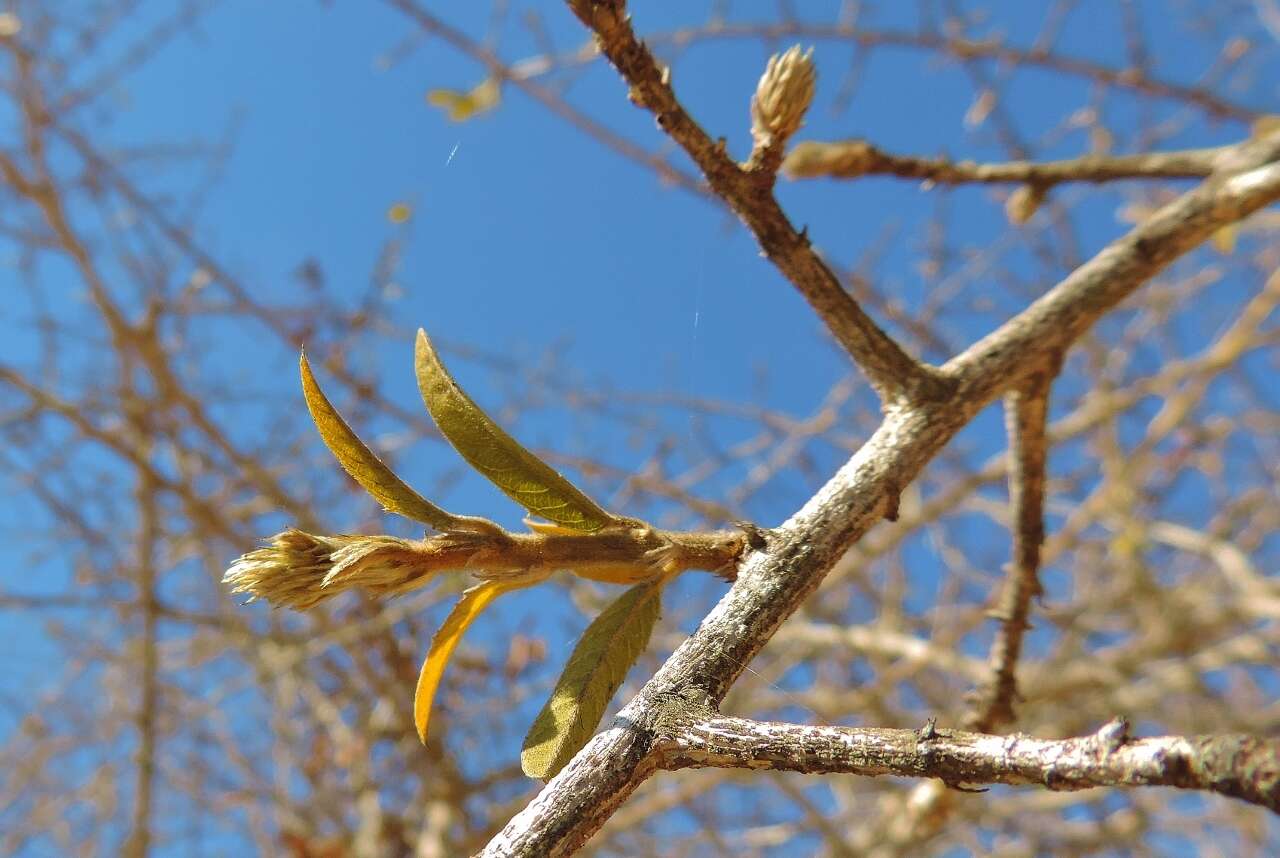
x: 1238, y: 766
x: 851, y: 159
x: 749, y: 193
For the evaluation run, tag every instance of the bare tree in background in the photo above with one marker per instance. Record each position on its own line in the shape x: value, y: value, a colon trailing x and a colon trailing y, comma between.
x: 181, y: 717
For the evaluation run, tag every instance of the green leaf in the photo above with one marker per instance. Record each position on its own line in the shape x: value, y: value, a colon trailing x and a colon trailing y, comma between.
x: 524, y: 477
x: 472, y: 603
x: 361, y: 463
x: 600, y: 661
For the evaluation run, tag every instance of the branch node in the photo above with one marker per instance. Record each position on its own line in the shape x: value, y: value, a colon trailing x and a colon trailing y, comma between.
x: 681, y: 706
x: 1114, y: 734
x: 893, y: 500
x: 757, y: 537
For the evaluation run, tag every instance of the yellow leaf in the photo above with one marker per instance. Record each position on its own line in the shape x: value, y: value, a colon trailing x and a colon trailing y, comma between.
x: 462, y: 106
x: 361, y: 463
x: 522, y: 476
x: 399, y: 213
x: 599, y: 663
x: 472, y: 603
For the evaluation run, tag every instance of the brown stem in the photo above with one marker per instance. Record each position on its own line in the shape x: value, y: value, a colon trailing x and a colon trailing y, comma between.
x: 851, y: 159
x: 749, y: 192
x: 1026, y: 409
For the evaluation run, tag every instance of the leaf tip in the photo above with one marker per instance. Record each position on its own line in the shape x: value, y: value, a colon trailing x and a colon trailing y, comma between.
x: 304, y: 367
x: 422, y: 347
x: 421, y: 715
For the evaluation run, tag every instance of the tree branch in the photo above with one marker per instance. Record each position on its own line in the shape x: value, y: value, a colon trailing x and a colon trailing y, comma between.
x: 1238, y: 766
x: 851, y: 159
x: 749, y: 192
x: 1026, y: 409
x: 1247, y: 181
x: 772, y: 583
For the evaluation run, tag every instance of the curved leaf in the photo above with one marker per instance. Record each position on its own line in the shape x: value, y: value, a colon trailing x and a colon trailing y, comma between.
x: 522, y: 476
x: 472, y: 603
x: 600, y: 661
x: 361, y: 463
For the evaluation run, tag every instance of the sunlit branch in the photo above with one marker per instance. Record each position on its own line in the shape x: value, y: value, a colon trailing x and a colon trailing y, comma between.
x: 1237, y: 766
x: 852, y: 159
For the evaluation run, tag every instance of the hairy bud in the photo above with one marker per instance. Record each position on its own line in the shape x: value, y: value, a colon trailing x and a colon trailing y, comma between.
x: 299, y: 570
x: 782, y: 96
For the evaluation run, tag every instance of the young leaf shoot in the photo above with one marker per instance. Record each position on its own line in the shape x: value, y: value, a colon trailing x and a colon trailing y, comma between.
x: 522, y: 476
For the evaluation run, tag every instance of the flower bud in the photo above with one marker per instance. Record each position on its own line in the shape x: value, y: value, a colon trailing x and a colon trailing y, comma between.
x: 782, y: 96
x: 299, y: 570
